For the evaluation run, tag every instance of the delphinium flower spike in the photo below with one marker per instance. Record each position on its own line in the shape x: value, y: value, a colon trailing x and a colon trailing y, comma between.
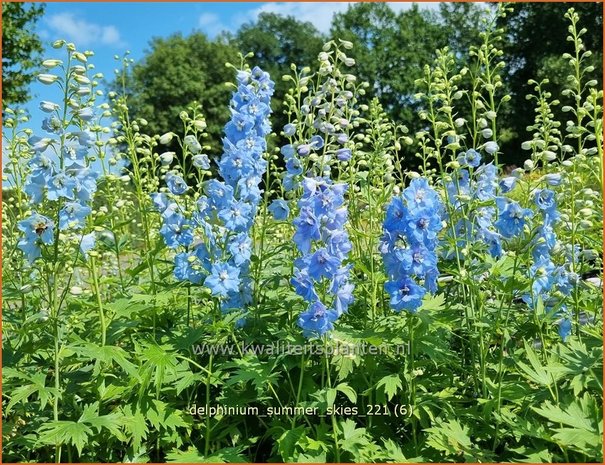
x: 412, y: 223
x: 319, y: 146
x: 216, y: 234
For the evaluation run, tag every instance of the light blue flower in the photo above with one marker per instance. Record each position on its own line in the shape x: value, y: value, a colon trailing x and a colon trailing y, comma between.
x: 176, y: 184
x: 73, y: 215
x: 87, y: 243
x: 317, y: 320
x: 223, y: 279
x: 279, y: 209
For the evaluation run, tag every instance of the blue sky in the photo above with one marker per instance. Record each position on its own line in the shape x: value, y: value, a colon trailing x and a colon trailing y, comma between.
x: 112, y: 28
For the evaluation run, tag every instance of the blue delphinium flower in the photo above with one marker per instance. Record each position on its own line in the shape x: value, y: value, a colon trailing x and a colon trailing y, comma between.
x: 37, y: 229
x: 317, y: 319
x: 412, y: 223
x: 227, y: 210
x: 550, y: 283
x: 87, y: 243
x: 405, y: 294
x: 321, y: 223
x: 224, y: 214
x: 73, y: 215
x: 61, y: 181
x: 477, y: 225
x: 564, y: 328
x: 511, y: 217
x: 176, y: 184
x: 223, y: 279
x: 470, y: 158
x: 177, y: 231
x: 279, y: 209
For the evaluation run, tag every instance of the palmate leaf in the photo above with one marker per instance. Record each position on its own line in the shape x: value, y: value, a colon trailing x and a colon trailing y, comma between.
x: 578, y: 426
x: 449, y: 436
x: 25, y: 391
x: 347, y: 391
x: 192, y: 455
x: 539, y: 374
x: 391, y: 385
x: 572, y: 415
x: 135, y: 426
x: 111, y: 422
x: 107, y: 355
x: 65, y: 432
x: 393, y: 452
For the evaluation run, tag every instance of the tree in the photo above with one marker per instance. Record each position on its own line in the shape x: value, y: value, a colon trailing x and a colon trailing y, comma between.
x: 20, y: 49
x: 536, y: 40
x: 179, y: 70
x: 391, y: 49
x: 176, y: 72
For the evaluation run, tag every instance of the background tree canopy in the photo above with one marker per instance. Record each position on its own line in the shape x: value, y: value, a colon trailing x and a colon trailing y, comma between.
x: 391, y: 49
x: 20, y: 49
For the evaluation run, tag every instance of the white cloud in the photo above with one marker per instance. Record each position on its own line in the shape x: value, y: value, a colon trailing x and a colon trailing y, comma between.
x: 320, y: 14
x: 82, y: 32
x: 211, y: 24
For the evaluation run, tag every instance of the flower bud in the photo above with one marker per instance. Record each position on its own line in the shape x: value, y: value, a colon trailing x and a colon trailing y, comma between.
x: 528, y: 165
x: 166, y: 138
x: 48, y: 107
x: 80, y: 57
x: 81, y: 79
x: 553, y: 179
x: 47, y: 78
x: 166, y: 158
x: 51, y: 63
x: 491, y: 147
x: 487, y: 133
x: 192, y: 144
x: 75, y: 290
x: 200, y: 124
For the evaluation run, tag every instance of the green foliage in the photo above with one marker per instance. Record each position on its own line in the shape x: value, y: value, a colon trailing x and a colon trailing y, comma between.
x: 112, y: 359
x: 177, y: 72
x: 20, y: 49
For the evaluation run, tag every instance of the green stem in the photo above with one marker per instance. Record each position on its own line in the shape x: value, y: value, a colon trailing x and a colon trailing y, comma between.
x: 95, y: 281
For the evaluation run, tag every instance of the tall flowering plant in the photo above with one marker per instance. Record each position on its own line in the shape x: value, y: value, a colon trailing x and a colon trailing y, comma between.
x: 57, y: 232
x: 214, y: 236
x: 320, y: 147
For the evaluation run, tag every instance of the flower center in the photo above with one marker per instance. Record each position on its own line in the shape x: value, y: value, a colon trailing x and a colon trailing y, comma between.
x: 40, y: 228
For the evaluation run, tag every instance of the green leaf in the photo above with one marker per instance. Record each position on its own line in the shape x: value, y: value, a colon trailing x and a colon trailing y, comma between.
x: 134, y: 423
x: 433, y: 302
x: 391, y: 385
x: 348, y: 391
x: 65, y: 432
x: 536, y: 372
x: 287, y: 443
x: 191, y: 455
x: 449, y: 436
